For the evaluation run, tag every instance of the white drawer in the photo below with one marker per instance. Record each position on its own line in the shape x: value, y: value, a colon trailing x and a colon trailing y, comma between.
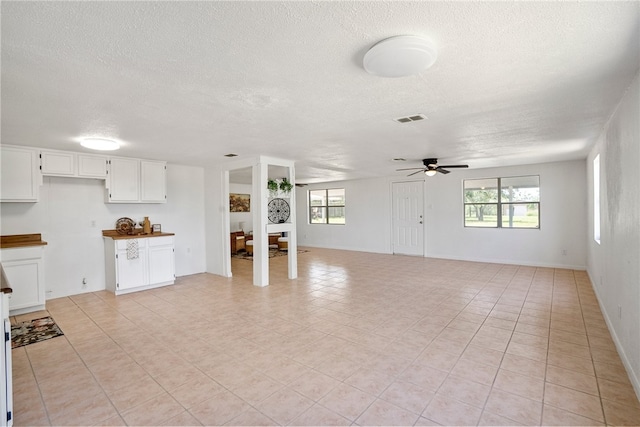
x: 16, y: 254
x: 121, y: 244
x: 160, y: 241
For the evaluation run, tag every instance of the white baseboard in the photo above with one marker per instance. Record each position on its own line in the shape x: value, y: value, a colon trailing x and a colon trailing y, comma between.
x: 339, y: 248
x: 633, y: 376
x: 484, y: 260
x: 509, y: 262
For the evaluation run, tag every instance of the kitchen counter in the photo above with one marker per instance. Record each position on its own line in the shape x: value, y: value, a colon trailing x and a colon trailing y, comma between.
x: 22, y: 261
x: 138, y: 234
x: 138, y: 262
x: 21, y: 240
x: 5, y: 286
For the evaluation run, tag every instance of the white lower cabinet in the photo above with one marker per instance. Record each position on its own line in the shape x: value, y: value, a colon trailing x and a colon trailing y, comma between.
x: 24, y: 270
x: 6, y: 371
x: 161, y: 260
x: 132, y: 272
x: 131, y: 269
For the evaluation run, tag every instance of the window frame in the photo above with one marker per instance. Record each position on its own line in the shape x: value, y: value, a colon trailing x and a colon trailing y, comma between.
x: 499, y: 204
x: 326, y: 206
x: 597, y: 237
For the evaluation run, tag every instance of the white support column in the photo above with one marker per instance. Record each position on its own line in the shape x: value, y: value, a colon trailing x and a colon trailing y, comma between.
x: 291, y: 235
x: 260, y: 238
x: 226, y: 267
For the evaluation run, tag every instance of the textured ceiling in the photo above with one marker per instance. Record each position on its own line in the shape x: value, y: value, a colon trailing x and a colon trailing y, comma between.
x: 187, y: 82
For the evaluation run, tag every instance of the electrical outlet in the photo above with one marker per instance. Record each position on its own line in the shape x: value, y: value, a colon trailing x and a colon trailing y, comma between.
x: 564, y: 252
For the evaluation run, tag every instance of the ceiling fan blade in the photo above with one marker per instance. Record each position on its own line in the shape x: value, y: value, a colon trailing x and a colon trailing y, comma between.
x: 415, y: 172
x: 408, y: 169
x: 444, y: 171
x: 454, y: 166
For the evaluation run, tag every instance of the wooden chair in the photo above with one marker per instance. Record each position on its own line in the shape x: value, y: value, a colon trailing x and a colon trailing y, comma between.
x: 237, y: 242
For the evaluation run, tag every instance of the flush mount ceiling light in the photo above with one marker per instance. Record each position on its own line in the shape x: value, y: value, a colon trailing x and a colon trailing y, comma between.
x: 100, y: 144
x: 400, y: 56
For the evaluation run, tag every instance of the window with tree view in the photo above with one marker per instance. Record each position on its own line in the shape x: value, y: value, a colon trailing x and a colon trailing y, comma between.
x: 327, y: 206
x: 512, y: 202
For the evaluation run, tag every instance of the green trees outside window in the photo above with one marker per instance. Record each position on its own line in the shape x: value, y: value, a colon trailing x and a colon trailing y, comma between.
x: 327, y: 206
x: 512, y: 202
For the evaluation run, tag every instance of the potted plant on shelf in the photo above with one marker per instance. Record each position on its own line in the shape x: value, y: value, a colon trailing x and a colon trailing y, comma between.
x: 285, y: 186
x: 272, y: 186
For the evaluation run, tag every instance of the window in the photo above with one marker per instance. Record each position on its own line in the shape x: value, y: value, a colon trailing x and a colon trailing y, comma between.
x: 326, y: 206
x: 512, y: 202
x: 596, y: 199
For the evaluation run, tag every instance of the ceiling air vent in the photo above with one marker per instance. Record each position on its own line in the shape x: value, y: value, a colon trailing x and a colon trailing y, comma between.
x: 410, y: 119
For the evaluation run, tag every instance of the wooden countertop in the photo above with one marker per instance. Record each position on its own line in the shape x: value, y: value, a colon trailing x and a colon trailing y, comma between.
x: 138, y: 234
x: 4, y: 283
x: 21, y: 240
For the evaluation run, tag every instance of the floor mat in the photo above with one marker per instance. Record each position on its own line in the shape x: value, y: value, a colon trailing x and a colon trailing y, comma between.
x: 34, y: 331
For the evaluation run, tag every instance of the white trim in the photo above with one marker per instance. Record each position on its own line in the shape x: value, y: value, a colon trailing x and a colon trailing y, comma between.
x: 633, y: 376
x: 510, y: 262
x: 226, y: 226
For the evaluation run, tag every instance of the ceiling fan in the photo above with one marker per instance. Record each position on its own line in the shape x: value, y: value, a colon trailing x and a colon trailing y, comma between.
x: 431, y: 167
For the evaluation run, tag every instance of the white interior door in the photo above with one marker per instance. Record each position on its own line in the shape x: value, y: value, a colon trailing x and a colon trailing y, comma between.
x: 408, y: 218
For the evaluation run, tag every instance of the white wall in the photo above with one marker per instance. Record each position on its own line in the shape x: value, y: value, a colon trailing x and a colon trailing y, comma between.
x: 236, y: 217
x: 614, y: 264
x: 368, y: 219
x: 71, y: 215
x: 563, y: 219
x: 215, y: 230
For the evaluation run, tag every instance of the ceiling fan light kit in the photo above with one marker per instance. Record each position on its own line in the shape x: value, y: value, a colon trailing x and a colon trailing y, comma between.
x: 431, y: 168
x: 400, y: 56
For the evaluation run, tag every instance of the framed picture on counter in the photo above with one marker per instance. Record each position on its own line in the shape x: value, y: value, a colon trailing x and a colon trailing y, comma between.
x: 156, y: 228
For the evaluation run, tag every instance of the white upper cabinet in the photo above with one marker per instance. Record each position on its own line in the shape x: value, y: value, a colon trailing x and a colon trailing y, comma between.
x: 127, y: 180
x: 65, y: 163
x: 19, y: 175
x: 136, y: 181
x: 92, y: 166
x: 153, y: 181
x: 124, y: 180
x: 62, y: 163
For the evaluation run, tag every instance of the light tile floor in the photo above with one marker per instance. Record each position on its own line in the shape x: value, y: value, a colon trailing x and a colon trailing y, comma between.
x: 358, y: 339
